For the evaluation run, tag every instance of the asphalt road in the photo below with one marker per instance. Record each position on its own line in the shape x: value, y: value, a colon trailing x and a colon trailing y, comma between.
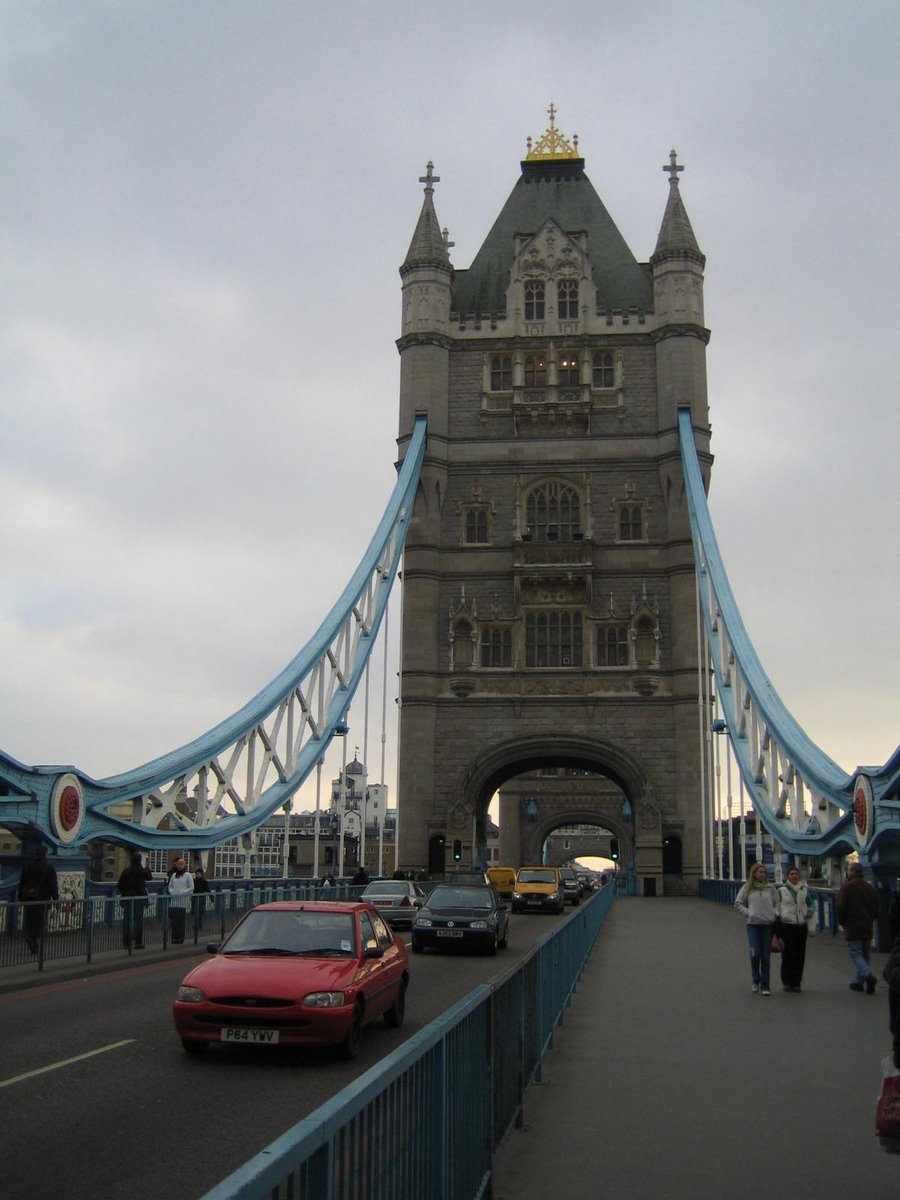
x: 123, y: 1111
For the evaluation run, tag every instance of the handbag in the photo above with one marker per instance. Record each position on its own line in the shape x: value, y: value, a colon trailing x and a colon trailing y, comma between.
x: 887, y: 1109
x: 777, y: 944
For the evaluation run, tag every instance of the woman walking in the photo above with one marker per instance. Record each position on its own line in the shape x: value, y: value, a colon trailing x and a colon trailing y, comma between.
x: 794, y: 911
x: 758, y: 902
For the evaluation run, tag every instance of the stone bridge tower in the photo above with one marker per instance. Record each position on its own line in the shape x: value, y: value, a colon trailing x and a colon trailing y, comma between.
x: 549, y: 614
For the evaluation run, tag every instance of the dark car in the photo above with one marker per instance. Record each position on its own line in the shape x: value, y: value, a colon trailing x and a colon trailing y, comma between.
x: 398, y: 900
x: 466, y: 916
x: 296, y: 974
x: 572, y: 885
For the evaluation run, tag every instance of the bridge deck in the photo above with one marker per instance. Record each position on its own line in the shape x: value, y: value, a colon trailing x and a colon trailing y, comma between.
x: 671, y: 1079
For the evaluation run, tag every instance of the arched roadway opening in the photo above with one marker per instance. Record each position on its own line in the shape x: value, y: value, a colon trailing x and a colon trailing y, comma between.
x: 631, y: 813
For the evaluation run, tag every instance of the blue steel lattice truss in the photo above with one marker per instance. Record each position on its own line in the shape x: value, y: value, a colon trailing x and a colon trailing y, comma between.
x: 232, y: 778
x: 802, y: 797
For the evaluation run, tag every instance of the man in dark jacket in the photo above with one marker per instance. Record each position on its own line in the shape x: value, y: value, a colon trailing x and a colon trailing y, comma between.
x: 132, y: 887
x: 37, y: 885
x: 857, y: 907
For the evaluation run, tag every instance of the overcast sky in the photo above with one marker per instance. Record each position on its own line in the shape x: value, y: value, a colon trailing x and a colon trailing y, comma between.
x: 203, y: 209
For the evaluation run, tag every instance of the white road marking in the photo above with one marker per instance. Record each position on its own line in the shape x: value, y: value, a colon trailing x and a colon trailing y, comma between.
x: 65, y: 1063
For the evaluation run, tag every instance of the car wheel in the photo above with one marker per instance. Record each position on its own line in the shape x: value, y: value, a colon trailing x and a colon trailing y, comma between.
x: 495, y: 942
x: 393, y: 1018
x: 504, y: 941
x: 351, y: 1044
x: 192, y: 1047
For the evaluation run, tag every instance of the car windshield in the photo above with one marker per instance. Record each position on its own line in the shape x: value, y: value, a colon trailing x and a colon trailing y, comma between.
x: 445, y: 896
x: 387, y: 889
x: 297, y: 933
x: 536, y: 877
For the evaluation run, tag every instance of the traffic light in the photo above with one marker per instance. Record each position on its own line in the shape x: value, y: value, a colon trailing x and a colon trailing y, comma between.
x: 457, y: 850
x: 614, y: 849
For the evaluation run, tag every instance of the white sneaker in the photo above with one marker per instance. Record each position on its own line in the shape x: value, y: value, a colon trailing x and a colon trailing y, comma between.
x: 766, y: 992
x: 756, y: 987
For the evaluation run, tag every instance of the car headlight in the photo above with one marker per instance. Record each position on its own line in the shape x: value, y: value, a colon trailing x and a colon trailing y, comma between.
x: 324, y: 999
x: 479, y: 925
x: 190, y: 995
x: 517, y: 895
x: 425, y: 922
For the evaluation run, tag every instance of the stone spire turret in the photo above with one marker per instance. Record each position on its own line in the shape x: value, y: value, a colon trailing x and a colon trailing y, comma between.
x: 677, y: 265
x: 676, y: 237
x: 428, y: 247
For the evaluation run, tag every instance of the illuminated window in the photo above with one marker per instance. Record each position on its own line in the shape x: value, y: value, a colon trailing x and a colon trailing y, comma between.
x: 603, y: 370
x: 501, y: 373
x: 496, y: 647
x: 534, y: 300
x: 568, y: 370
x: 567, y: 299
x: 535, y: 370
x: 553, y: 639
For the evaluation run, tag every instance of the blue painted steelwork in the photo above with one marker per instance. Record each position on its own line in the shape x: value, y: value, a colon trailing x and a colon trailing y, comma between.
x: 425, y: 1121
x: 801, y: 796
x: 228, y: 781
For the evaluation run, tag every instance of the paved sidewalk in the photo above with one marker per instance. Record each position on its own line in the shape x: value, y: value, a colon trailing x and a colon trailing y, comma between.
x: 671, y: 1080
x: 26, y: 975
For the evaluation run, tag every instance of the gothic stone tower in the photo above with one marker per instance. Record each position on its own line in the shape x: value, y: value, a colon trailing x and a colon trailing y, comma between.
x: 549, y: 593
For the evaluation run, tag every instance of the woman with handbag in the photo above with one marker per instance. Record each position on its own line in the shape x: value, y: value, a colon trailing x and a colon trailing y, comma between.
x: 758, y: 902
x: 795, y: 909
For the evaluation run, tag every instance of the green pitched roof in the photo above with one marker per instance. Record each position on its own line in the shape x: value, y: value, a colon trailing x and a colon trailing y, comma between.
x: 561, y: 190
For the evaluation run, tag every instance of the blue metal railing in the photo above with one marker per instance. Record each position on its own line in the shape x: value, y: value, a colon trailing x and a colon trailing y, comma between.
x: 426, y: 1120
x: 724, y: 891
x: 83, y: 928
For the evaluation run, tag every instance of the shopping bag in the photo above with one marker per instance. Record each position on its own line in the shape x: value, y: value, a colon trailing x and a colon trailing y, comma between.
x: 887, y: 1109
x: 777, y: 944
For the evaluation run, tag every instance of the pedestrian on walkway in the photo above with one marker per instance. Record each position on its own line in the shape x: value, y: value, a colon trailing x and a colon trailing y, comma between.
x: 794, y: 912
x: 181, y: 888
x: 201, y: 890
x: 38, y: 885
x: 857, y: 907
x: 132, y: 887
x: 758, y: 902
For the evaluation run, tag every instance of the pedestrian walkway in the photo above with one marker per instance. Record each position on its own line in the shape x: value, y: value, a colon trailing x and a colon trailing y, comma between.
x: 671, y: 1080
x: 26, y: 975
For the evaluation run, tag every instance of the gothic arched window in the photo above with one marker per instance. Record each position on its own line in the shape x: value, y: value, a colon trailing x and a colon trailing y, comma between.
x: 553, y: 638
x: 603, y: 370
x: 567, y: 299
x: 476, y: 527
x: 553, y: 512
x: 631, y: 523
x: 568, y: 370
x: 501, y: 373
x: 535, y: 370
x: 534, y: 300
x: 612, y: 646
x: 496, y: 647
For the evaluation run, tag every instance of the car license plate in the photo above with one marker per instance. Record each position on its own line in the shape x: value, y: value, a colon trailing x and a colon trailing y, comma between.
x: 538, y: 901
x: 449, y: 933
x: 268, y: 1037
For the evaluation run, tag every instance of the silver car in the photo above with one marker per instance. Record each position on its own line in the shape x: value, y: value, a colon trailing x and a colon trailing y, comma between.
x: 398, y: 900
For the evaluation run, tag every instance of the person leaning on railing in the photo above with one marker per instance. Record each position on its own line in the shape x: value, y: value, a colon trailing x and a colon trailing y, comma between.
x: 37, y: 886
x: 132, y: 887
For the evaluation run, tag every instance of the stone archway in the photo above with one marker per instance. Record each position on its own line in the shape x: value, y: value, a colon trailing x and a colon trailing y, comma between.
x: 635, y: 818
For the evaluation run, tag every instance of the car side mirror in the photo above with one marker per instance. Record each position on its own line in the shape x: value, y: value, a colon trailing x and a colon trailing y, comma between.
x: 212, y: 947
x: 373, y: 952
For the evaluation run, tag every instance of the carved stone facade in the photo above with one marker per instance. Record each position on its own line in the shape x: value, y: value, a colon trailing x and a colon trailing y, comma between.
x: 549, y: 591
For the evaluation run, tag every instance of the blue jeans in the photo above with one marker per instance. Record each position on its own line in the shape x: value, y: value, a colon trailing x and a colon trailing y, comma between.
x: 859, y: 954
x: 760, y: 939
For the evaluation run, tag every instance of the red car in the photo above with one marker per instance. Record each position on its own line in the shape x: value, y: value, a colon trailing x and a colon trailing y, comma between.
x: 303, y: 973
